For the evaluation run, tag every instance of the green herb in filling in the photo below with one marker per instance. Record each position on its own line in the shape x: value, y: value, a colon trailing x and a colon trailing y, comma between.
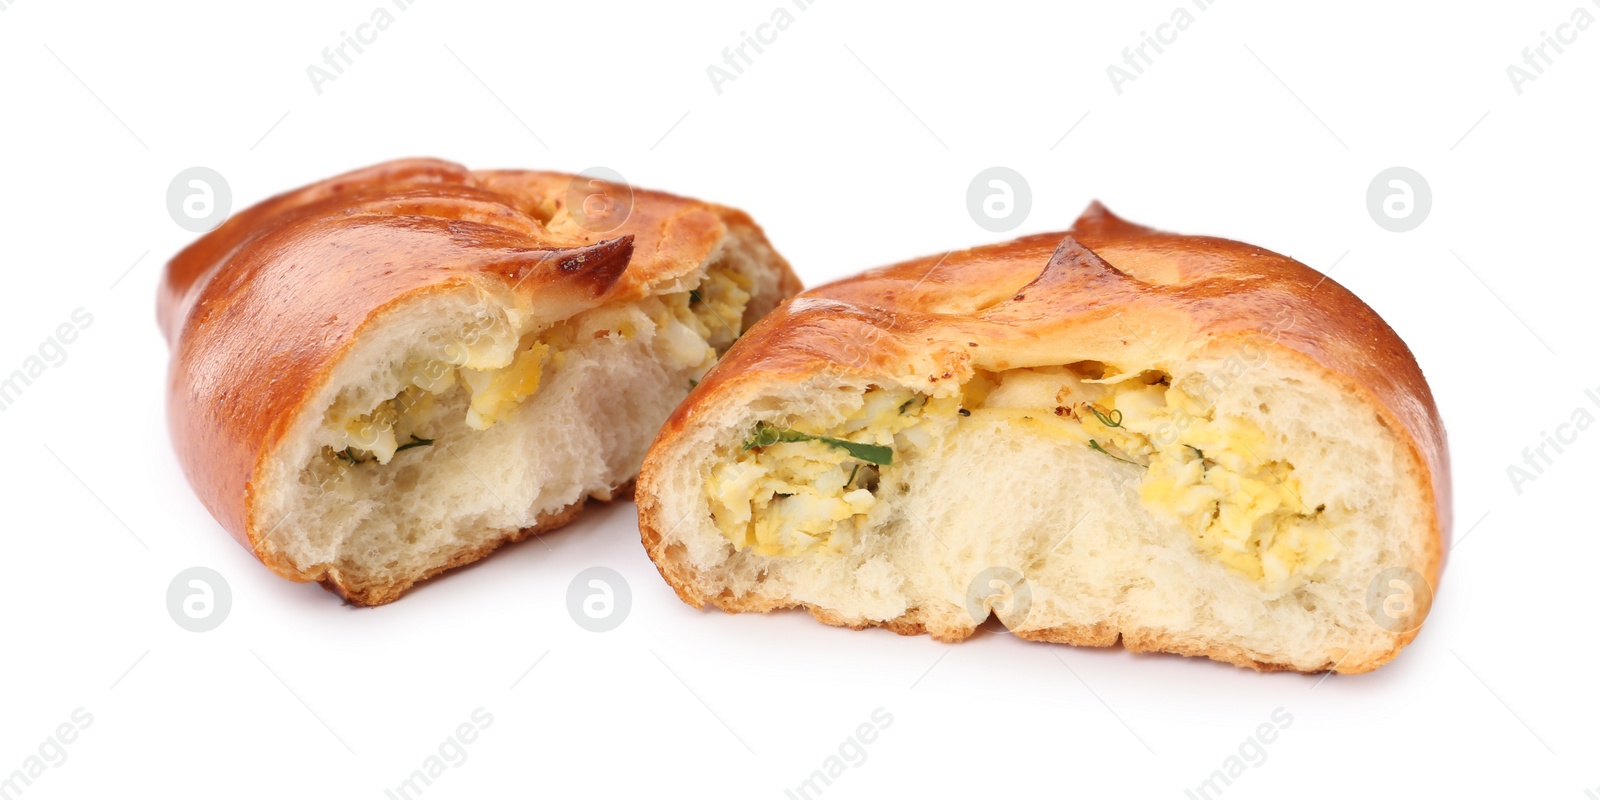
x: 415, y: 442
x: 766, y: 434
x: 1112, y: 420
x: 1094, y: 445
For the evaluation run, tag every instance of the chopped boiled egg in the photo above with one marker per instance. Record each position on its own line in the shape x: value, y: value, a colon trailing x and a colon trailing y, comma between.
x: 719, y: 305
x: 496, y: 393
x: 499, y: 371
x: 805, y: 492
x: 1214, y: 476
x: 1219, y: 478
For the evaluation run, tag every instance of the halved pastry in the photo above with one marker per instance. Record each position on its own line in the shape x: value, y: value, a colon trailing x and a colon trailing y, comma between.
x: 393, y: 372
x: 1189, y: 444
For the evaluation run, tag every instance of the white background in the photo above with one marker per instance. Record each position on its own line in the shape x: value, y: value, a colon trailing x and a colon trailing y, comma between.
x: 852, y: 139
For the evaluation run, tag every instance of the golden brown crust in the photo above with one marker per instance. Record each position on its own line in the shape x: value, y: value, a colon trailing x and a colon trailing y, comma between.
x: 1095, y: 292
x: 258, y: 312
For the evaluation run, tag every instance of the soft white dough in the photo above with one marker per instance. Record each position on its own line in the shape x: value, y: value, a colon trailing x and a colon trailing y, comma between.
x: 583, y: 433
x: 994, y: 496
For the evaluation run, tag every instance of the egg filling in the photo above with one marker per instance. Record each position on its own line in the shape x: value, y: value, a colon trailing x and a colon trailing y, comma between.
x: 1221, y: 478
x: 498, y: 369
x: 802, y: 489
x: 794, y: 490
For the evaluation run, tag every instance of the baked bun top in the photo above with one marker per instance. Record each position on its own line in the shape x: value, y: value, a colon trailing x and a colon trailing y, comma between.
x: 1183, y: 444
x: 258, y: 311
x: 1054, y: 299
